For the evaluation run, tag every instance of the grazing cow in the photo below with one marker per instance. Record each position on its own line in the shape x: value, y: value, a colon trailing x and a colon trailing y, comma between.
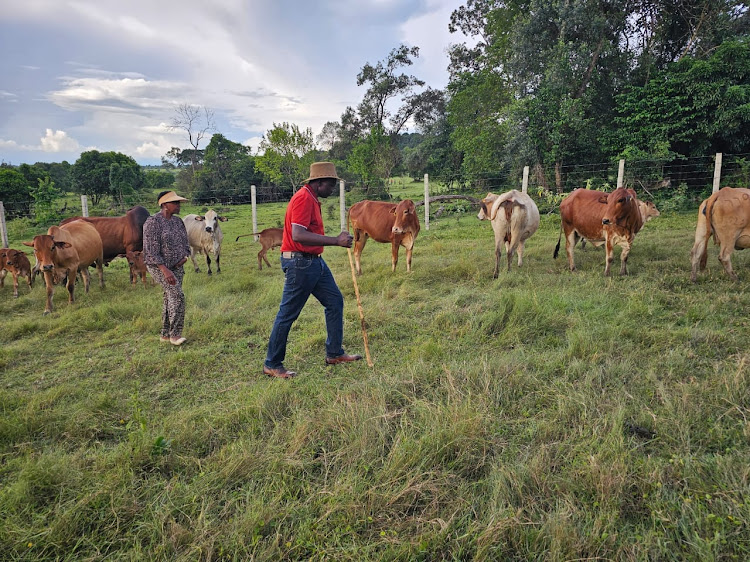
x: 119, y: 235
x: 725, y: 216
x: 384, y: 222
x: 269, y: 238
x: 205, y: 236
x: 137, y: 268
x: 66, y: 250
x: 609, y: 219
x: 15, y: 262
x: 514, y: 217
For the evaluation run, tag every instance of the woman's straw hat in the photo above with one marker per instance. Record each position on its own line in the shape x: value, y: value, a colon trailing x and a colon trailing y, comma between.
x: 170, y: 198
x: 322, y: 170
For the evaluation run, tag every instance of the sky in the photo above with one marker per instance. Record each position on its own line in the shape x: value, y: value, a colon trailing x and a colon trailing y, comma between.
x: 108, y: 75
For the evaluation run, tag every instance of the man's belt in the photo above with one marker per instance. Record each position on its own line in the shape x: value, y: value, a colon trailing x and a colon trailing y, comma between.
x: 289, y: 255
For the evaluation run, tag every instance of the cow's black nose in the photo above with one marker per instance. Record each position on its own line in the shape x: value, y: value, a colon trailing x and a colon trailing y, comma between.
x: 208, y: 229
x: 605, y: 221
x: 47, y: 268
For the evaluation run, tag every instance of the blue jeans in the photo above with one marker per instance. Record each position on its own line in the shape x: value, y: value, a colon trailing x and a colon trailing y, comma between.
x: 305, y: 276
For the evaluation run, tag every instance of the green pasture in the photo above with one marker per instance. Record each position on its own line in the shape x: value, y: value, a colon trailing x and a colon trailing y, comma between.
x: 545, y: 415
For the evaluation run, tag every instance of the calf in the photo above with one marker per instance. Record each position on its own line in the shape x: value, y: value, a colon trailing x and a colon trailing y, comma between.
x: 384, y: 222
x: 64, y: 251
x: 205, y: 236
x: 514, y: 217
x: 268, y: 238
x: 609, y: 219
x: 648, y: 211
x: 137, y: 268
x: 17, y: 264
x: 725, y: 216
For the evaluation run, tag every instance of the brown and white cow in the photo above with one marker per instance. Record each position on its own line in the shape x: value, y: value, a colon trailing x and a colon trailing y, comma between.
x: 205, y: 236
x: 66, y: 250
x: 384, y: 222
x: 725, y: 216
x: 119, y: 235
x: 514, y: 217
x: 609, y: 219
x: 268, y: 238
x: 17, y: 264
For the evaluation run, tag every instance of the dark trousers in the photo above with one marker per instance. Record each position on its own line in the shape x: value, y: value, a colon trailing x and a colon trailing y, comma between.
x: 305, y: 276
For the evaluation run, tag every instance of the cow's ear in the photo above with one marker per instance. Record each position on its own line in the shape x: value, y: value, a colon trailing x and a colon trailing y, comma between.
x: 603, y: 199
x: 62, y: 244
x: 393, y: 211
x: 199, y: 218
x: 28, y: 244
x: 223, y: 219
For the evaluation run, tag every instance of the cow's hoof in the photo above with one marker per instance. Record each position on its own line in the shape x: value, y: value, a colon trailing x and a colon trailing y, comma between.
x: 46, y: 312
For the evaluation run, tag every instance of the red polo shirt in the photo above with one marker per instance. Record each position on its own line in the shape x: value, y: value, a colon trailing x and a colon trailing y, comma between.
x: 304, y: 210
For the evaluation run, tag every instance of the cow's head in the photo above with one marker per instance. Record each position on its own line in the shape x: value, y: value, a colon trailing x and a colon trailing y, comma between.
x: 212, y: 220
x: 45, y: 247
x: 406, y: 217
x: 621, y: 204
x: 648, y: 210
x: 485, y: 205
x: 135, y: 260
x: 9, y: 257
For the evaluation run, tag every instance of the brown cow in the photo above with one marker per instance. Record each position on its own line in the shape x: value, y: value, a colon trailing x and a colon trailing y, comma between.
x: 725, y: 216
x: 66, y: 250
x: 269, y: 238
x: 609, y: 219
x: 17, y: 264
x: 137, y: 268
x: 648, y: 211
x: 119, y: 235
x: 384, y: 222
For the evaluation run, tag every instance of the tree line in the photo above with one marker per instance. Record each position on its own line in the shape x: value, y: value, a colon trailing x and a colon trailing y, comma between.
x: 554, y: 84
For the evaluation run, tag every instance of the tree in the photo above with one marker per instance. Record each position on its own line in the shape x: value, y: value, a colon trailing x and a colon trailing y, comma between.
x: 196, y: 122
x: 228, y: 171
x: 285, y: 154
x: 45, y: 197
x: 101, y: 174
x: 158, y: 181
x: 15, y: 192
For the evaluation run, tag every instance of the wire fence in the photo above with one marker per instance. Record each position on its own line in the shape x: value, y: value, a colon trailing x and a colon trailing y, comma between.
x: 652, y: 179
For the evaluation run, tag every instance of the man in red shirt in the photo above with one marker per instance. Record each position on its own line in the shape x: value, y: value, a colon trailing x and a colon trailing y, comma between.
x: 306, y: 273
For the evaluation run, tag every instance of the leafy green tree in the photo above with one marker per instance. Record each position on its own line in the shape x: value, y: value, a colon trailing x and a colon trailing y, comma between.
x: 59, y: 173
x: 158, y: 181
x: 228, y: 171
x: 693, y: 108
x: 15, y: 192
x: 45, y: 197
x: 285, y: 154
x: 101, y: 174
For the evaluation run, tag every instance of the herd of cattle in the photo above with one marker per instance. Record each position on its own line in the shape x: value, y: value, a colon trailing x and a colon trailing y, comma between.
x: 612, y: 219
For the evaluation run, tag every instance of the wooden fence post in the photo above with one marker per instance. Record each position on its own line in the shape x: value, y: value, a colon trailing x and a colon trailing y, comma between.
x: 525, y: 182
x: 342, y: 203
x: 717, y: 172
x: 254, y: 203
x: 84, y: 206
x: 426, y: 202
x: 3, y: 226
x: 621, y: 173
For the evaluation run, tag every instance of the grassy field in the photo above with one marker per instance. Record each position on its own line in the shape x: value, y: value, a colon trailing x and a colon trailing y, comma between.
x: 543, y: 415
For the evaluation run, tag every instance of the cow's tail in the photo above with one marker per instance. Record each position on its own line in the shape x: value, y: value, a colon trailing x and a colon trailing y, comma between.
x: 241, y: 235
x: 557, y: 248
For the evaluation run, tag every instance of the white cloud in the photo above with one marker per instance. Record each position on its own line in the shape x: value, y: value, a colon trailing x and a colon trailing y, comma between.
x: 58, y: 141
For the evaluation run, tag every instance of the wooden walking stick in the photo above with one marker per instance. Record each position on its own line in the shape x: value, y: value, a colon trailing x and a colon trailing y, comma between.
x: 361, y: 312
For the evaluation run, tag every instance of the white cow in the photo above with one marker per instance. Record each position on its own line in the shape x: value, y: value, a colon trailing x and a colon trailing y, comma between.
x: 514, y: 217
x: 205, y: 236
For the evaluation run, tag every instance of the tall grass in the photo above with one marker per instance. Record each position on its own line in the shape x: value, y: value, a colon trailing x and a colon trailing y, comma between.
x: 542, y: 415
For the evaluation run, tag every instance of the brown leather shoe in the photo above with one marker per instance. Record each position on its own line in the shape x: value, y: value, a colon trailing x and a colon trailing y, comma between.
x: 345, y: 358
x: 279, y: 373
